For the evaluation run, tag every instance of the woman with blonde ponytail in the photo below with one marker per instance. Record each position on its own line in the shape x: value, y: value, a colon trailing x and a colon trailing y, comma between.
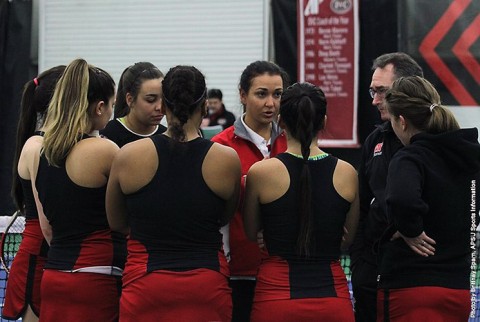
x: 431, y: 193
x: 85, y: 261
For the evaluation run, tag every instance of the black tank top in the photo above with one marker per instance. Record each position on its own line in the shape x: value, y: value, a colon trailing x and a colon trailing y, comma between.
x: 77, y: 215
x: 280, y: 218
x: 176, y: 215
x: 28, y: 199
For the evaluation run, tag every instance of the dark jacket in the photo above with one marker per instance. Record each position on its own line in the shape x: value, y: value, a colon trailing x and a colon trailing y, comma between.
x: 377, y: 151
x: 223, y: 118
x: 433, y: 185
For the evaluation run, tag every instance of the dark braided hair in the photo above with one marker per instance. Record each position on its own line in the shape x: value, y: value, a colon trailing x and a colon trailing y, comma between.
x: 303, y: 108
x: 184, y: 91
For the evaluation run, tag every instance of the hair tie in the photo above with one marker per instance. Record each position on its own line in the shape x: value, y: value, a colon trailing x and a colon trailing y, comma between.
x: 193, y: 104
x: 35, y: 81
x: 200, y: 98
x: 167, y: 100
x: 432, y: 107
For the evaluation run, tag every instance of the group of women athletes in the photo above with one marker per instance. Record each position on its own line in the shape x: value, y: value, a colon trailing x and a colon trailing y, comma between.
x: 174, y: 201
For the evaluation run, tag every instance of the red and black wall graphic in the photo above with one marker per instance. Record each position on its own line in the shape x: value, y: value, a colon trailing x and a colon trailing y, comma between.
x: 444, y: 36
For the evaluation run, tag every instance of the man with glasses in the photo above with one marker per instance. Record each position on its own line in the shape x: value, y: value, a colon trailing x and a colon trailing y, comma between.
x: 377, y: 150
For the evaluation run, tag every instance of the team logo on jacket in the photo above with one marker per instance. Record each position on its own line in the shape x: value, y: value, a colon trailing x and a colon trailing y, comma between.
x: 378, y: 149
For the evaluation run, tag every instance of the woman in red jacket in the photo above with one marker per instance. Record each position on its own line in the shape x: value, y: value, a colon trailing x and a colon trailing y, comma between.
x: 255, y: 136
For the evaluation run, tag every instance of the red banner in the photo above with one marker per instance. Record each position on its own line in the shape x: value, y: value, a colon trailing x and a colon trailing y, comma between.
x: 328, y: 53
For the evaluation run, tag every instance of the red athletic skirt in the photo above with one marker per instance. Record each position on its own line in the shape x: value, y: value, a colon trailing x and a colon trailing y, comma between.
x: 425, y: 303
x: 23, y: 285
x: 325, y: 309
x: 79, y: 297
x: 196, y: 295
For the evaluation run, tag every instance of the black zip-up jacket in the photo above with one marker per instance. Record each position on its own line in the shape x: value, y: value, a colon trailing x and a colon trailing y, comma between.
x: 377, y: 151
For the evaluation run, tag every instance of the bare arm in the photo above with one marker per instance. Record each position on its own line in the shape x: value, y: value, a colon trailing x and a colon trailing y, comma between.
x: 232, y: 202
x: 351, y: 224
x: 31, y: 153
x: 251, y: 210
x: 221, y: 170
x: 132, y: 168
x: 115, y: 198
x: 345, y: 180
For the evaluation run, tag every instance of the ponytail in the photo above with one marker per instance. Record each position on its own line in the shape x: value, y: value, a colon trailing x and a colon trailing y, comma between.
x: 303, y: 108
x: 417, y: 100
x: 36, y: 96
x: 68, y: 116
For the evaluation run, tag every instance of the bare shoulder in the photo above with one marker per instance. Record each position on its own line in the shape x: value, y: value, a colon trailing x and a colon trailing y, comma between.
x: 224, y: 150
x: 34, y: 140
x: 100, y: 149
x: 29, y: 156
x: 223, y: 156
x: 345, y: 168
x: 33, y: 144
x: 102, y: 144
x: 268, y: 173
x: 269, y: 179
x: 266, y: 167
x: 143, y: 149
x: 138, y: 157
x: 345, y: 180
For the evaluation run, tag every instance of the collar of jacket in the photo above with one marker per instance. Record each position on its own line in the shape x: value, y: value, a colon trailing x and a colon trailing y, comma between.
x: 242, y: 132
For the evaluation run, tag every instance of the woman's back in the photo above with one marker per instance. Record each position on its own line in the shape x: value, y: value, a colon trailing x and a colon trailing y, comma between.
x: 73, y: 200
x: 171, y: 193
x: 308, y: 212
x: 280, y: 220
x: 176, y: 214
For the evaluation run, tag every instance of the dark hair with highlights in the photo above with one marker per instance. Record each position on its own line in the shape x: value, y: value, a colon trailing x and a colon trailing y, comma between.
x: 417, y: 100
x: 302, y: 109
x: 71, y: 107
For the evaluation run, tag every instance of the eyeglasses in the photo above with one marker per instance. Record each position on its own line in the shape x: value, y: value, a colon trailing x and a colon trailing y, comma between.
x: 380, y: 91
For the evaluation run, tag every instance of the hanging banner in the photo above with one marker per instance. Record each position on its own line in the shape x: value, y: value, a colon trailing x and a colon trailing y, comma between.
x: 328, y: 58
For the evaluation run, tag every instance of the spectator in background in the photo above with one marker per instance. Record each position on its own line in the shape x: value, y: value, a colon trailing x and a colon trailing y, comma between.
x: 137, y: 105
x: 217, y: 113
x: 255, y: 136
x: 172, y: 207
x: 81, y: 281
x: 22, y: 297
x: 302, y: 210
x: 432, y: 199
x: 378, y: 149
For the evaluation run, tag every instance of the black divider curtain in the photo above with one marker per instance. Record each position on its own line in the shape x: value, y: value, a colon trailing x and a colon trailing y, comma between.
x: 378, y: 35
x: 15, y: 35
